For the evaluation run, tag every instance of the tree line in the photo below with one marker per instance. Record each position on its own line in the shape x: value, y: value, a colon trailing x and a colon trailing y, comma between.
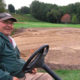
x: 48, y: 12
x: 54, y: 13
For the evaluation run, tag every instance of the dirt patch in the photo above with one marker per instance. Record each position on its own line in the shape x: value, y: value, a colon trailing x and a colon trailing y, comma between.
x: 64, y: 51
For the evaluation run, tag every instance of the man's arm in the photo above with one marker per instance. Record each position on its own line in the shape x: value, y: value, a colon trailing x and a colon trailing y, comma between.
x: 5, y: 75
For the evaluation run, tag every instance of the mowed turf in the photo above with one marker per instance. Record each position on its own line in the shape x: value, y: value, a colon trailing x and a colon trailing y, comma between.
x: 43, y: 24
x: 67, y: 74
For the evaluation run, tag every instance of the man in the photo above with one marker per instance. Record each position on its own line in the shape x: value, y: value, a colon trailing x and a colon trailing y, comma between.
x: 10, y: 61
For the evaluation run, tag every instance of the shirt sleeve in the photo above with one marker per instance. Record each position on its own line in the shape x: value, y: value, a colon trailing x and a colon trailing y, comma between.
x: 5, y: 75
x: 1, y: 45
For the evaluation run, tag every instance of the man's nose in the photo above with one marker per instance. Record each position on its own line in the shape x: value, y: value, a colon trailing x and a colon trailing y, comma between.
x: 10, y: 25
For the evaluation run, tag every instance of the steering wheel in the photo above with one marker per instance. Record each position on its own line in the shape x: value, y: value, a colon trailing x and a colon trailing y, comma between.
x: 37, y: 61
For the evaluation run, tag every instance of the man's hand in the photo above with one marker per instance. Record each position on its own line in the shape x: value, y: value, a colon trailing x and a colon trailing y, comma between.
x: 15, y: 78
x: 34, y: 70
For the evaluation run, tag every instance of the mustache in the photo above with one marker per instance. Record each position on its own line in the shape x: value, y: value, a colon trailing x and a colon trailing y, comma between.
x: 9, y: 28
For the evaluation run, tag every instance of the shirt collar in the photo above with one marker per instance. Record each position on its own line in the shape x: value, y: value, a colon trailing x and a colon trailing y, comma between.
x: 4, y: 37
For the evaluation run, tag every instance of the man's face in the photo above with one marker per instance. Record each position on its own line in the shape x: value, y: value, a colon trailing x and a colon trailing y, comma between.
x: 6, y: 27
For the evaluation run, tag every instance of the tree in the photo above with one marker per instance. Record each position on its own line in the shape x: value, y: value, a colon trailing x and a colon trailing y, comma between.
x: 77, y: 5
x: 74, y: 19
x: 39, y: 10
x: 35, y: 8
x: 11, y: 8
x: 54, y: 13
x: 24, y: 10
x: 66, y: 18
x: 2, y: 6
x: 53, y: 16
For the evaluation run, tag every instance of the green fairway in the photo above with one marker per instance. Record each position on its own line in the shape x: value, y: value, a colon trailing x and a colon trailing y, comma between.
x: 67, y: 74
x: 43, y: 24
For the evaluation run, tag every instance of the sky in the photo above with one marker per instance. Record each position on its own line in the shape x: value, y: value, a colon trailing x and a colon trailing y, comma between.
x: 20, y: 3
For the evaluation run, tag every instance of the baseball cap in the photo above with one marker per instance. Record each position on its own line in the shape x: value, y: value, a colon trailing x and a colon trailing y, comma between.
x: 6, y: 16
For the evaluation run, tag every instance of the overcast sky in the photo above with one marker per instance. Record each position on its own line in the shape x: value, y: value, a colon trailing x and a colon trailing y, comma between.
x: 19, y: 3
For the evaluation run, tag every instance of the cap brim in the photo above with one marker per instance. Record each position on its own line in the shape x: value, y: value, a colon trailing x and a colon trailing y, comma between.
x: 12, y: 18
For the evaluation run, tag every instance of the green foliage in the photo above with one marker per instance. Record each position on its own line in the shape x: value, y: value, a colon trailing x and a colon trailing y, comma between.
x: 52, y: 12
x: 23, y: 10
x: 35, y: 9
x: 40, y: 10
x: 53, y: 16
x: 74, y: 19
x: 2, y: 6
x: 72, y: 9
x: 11, y: 8
x: 25, y: 18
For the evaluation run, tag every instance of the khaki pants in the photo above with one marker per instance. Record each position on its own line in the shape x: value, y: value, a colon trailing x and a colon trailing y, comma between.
x: 38, y: 76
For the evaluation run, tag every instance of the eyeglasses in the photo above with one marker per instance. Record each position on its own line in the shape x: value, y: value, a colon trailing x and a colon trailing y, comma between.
x: 7, y: 22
